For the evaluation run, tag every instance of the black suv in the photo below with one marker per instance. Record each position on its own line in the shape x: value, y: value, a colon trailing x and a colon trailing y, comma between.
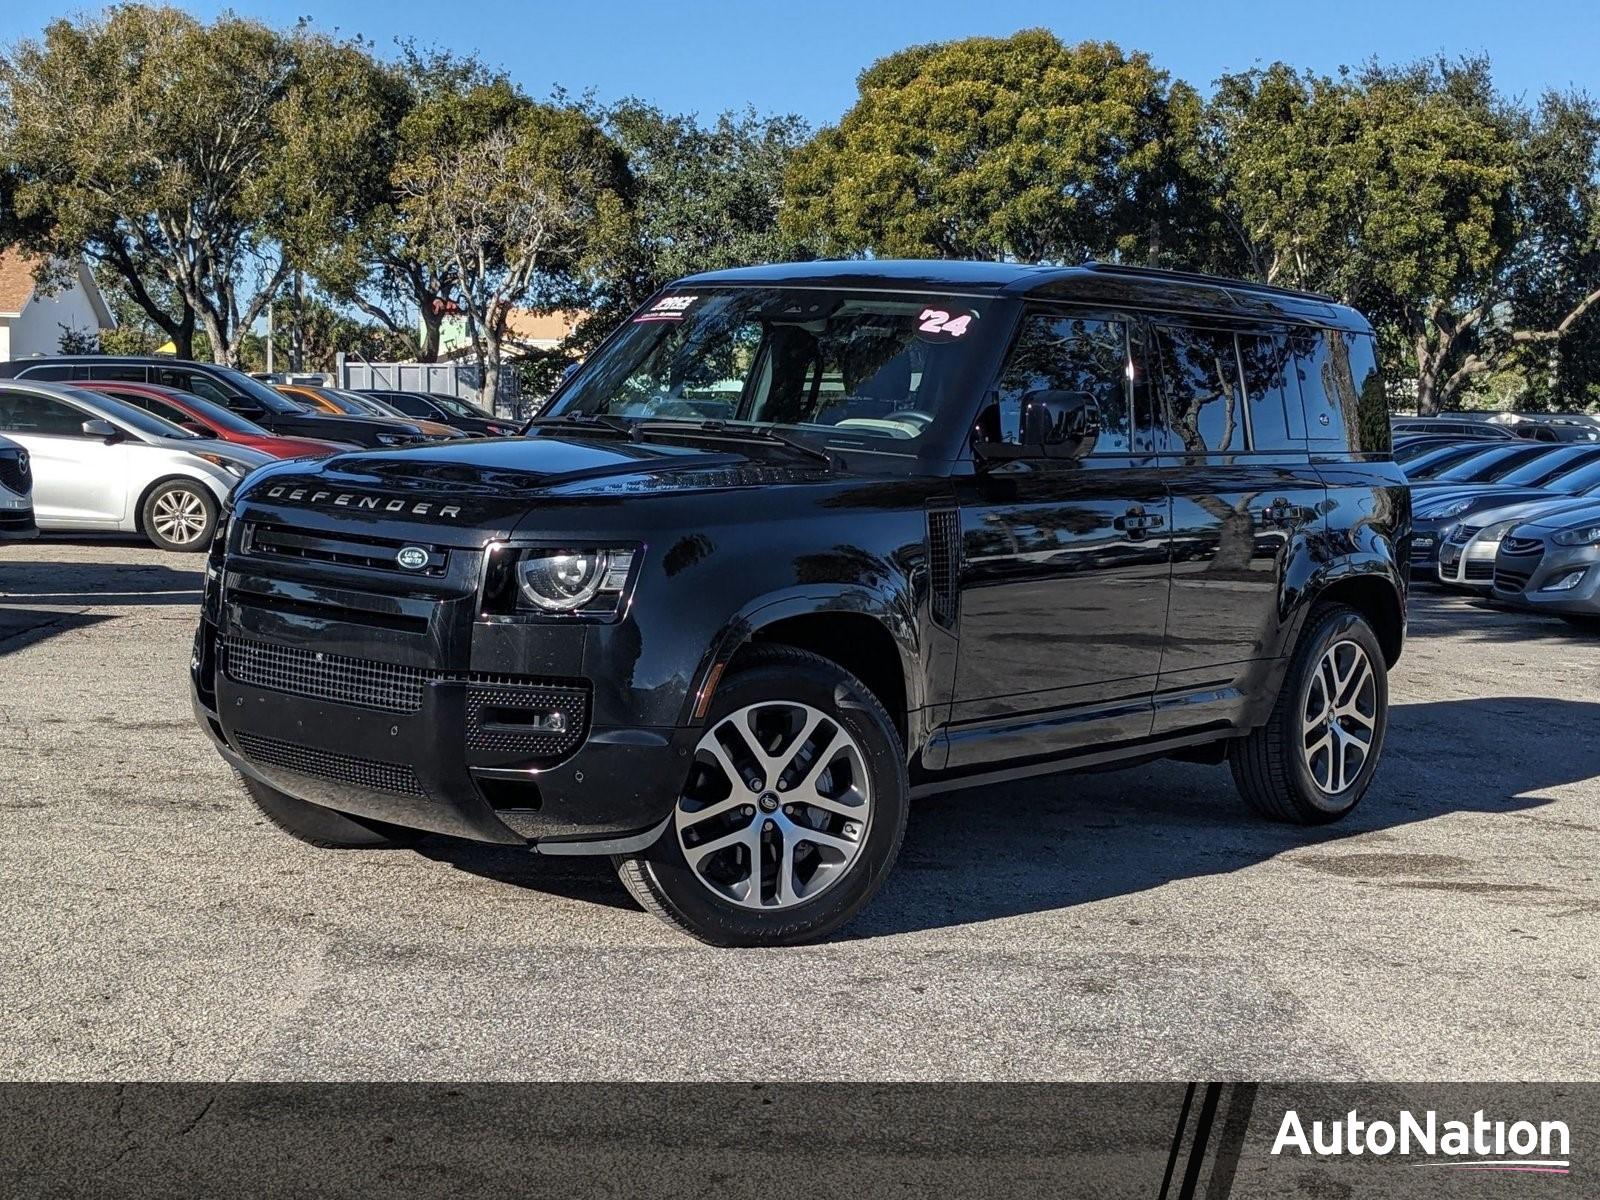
x: 800, y: 543
x: 250, y: 398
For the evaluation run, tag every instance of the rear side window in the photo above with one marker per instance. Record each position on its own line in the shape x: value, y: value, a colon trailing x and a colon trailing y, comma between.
x: 1267, y: 364
x: 191, y: 381
x: 1200, y: 380
x: 410, y: 405
x: 1071, y: 354
x: 55, y: 371
x: 125, y: 372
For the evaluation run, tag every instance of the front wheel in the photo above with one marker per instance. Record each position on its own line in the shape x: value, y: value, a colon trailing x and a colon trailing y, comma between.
x: 792, y: 812
x: 180, y: 514
x: 1314, y: 758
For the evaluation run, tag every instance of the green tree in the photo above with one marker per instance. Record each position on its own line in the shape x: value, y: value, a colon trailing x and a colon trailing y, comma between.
x: 997, y: 148
x: 1463, y: 223
x: 513, y: 213
x: 704, y: 197
x: 198, y: 160
x: 379, y: 265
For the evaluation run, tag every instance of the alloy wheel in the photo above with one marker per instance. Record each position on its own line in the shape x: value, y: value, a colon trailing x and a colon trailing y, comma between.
x: 1340, y: 716
x: 776, y: 807
x: 179, y: 516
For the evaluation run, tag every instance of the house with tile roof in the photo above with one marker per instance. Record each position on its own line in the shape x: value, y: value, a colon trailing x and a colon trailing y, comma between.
x: 34, y: 318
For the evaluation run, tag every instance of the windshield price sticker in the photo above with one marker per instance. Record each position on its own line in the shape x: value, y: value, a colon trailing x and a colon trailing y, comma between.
x: 668, y: 308
x: 937, y: 324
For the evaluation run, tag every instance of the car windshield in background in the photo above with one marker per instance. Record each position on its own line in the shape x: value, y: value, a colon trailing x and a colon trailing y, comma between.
x: 459, y: 407
x: 847, y: 368
x: 259, y: 392
x: 137, y: 419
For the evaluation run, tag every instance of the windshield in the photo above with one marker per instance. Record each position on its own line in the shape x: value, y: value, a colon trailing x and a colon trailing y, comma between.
x: 259, y: 392
x: 847, y: 368
x: 218, y: 417
x: 136, y: 419
x: 459, y: 407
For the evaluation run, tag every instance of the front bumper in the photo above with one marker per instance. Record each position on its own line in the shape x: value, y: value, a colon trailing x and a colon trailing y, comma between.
x: 1468, y: 566
x: 419, y: 771
x: 1523, y: 579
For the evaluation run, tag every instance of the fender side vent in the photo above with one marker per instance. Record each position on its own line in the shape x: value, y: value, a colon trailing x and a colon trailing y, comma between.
x: 944, y: 564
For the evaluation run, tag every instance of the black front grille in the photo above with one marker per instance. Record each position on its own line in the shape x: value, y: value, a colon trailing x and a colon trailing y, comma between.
x: 15, y: 473
x: 1465, y: 533
x: 536, y: 722
x: 263, y: 540
x: 357, y: 681
x: 325, y: 764
x: 1479, y: 570
x: 1516, y: 545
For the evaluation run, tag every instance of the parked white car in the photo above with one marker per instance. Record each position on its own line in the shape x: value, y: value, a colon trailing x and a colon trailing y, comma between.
x: 100, y: 464
x: 16, y: 493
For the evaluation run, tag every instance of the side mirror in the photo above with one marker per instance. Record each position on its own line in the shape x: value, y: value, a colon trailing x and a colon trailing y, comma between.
x: 1058, y: 424
x: 98, y: 427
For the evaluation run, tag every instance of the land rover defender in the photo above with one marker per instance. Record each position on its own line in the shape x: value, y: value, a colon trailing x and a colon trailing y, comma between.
x: 800, y: 543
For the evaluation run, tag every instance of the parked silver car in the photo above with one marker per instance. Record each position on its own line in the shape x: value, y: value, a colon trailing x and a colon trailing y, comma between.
x: 1552, y: 564
x: 16, y: 493
x: 1466, y: 557
x: 100, y: 464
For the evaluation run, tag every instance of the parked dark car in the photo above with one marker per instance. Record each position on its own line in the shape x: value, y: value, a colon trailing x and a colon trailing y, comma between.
x: 234, y: 390
x: 448, y: 410
x: 16, y: 493
x: 799, y: 543
x: 1459, y: 426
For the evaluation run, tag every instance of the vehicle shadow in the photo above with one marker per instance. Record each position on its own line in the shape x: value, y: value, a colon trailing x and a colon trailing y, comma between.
x: 1470, y: 617
x: 1057, y: 842
x: 42, y: 598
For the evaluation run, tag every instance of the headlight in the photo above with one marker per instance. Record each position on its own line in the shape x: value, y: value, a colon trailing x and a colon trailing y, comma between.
x: 1451, y: 510
x: 236, y: 469
x: 1588, y: 535
x: 586, y: 581
x: 392, y: 439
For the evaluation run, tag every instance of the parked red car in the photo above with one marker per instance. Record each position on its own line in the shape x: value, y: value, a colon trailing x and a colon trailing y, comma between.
x: 202, y: 416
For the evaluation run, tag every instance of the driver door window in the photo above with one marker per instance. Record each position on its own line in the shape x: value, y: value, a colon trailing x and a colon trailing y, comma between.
x: 23, y: 412
x: 1071, y: 354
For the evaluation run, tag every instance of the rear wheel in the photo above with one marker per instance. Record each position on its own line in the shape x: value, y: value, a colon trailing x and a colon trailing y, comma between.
x: 322, y: 827
x: 1314, y: 758
x: 180, y: 514
x: 792, y: 812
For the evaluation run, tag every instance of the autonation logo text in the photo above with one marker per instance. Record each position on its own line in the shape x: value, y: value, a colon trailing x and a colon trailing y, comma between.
x: 1477, y: 1145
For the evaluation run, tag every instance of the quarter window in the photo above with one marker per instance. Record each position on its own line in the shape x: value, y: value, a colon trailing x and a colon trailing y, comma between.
x: 1071, y: 354
x: 1267, y: 365
x: 1200, y: 374
x: 124, y: 372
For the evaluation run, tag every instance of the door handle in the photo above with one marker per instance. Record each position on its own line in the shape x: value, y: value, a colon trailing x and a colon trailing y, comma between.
x: 1281, y: 512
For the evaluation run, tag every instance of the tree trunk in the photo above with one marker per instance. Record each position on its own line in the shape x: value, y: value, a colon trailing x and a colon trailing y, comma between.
x: 428, y: 338
x: 491, y: 370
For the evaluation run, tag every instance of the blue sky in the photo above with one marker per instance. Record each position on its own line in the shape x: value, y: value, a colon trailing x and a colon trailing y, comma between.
x: 803, y: 55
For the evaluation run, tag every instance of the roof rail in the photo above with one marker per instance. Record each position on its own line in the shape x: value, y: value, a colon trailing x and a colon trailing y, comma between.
x: 1202, y: 277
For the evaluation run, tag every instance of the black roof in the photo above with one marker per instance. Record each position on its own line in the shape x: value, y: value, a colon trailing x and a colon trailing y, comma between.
x: 1092, y: 283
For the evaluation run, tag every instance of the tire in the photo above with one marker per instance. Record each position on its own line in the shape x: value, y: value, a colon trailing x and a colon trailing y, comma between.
x: 180, y: 515
x: 828, y: 740
x: 323, y: 827
x: 1279, y: 770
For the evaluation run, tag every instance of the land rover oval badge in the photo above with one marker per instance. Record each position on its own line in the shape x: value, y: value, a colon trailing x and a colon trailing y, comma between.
x: 412, y: 558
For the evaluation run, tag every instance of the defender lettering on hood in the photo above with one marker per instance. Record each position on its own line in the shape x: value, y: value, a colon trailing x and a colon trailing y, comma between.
x: 323, y: 498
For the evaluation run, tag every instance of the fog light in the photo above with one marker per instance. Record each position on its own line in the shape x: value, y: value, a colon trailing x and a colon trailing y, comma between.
x: 1566, y: 583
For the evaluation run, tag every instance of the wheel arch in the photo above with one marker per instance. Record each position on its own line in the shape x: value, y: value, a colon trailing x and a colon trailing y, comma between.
x: 1377, y: 597
x: 866, y: 632
x: 172, y: 477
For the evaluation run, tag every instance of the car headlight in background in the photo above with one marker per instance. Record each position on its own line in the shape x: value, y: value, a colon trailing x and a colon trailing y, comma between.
x: 1449, y: 510
x: 1490, y: 536
x: 237, y: 469
x: 585, y: 581
x: 1587, y: 535
x: 393, y: 439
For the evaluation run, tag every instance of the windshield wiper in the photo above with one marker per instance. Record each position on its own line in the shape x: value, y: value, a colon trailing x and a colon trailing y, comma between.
x: 606, y: 421
x: 763, y: 433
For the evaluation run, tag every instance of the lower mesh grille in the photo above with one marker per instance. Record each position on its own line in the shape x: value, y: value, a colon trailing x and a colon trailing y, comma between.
x: 325, y: 764
x: 542, y: 722
x: 357, y: 681
x: 1511, y: 581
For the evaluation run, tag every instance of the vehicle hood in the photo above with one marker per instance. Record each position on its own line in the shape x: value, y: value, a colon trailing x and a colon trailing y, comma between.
x: 1426, y: 506
x: 1545, y: 507
x: 297, y: 447
x: 488, y: 485
x: 376, y: 424
x: 1569, y: 516
x: 245, y: 456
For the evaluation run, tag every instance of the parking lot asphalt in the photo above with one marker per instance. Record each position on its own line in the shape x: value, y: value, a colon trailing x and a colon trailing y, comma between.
x: 1138, y: 924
